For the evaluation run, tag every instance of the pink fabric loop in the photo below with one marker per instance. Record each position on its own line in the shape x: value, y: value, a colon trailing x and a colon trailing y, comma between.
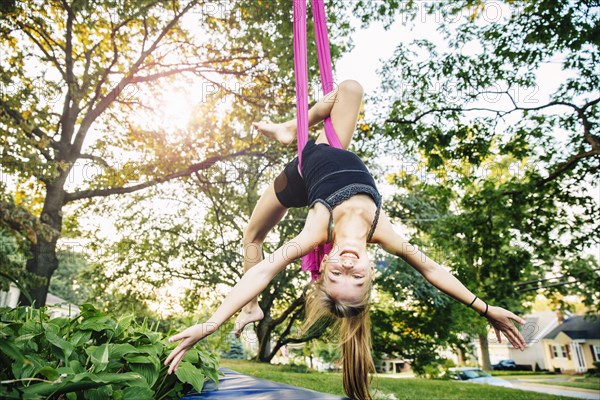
x: 301, y: 75
x: 325, y: 69
x: 312, y: 261
x: 301, y: 71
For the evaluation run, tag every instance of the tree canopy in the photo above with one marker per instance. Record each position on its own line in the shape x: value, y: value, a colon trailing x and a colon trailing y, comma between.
x: 501, y: 161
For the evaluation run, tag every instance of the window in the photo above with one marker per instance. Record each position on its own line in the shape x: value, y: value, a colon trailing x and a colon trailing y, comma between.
x: 555, y: 351
x: 559, y: 351
x: 595, y: 352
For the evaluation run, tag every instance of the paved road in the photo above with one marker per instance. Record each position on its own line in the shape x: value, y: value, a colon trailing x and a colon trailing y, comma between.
x: 525, y: 384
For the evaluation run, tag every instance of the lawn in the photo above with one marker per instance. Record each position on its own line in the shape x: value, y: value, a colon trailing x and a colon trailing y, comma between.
x: 404, y: 388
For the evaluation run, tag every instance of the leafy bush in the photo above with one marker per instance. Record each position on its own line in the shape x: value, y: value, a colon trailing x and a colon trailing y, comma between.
x: 594, y: 372
x: 437, y: 369
x: 92, y: 356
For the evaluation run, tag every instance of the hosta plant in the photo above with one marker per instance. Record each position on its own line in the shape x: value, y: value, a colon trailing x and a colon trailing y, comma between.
x: 92, y: 356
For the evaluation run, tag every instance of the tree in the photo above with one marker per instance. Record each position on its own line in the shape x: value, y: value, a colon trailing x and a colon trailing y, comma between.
x: 198, y: 242
x: 77, y: 74
x: 235, y: 351
x: 412, y: 319
x: 477, y: 236
x: 507, y: 199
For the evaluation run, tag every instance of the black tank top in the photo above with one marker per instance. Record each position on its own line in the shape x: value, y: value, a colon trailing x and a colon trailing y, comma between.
x: 333, y: 175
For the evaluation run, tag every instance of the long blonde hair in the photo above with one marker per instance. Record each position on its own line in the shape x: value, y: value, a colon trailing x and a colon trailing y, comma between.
x: 353, y: 323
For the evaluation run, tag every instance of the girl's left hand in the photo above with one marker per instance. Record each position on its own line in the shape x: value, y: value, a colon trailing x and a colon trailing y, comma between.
x: 502, y: 320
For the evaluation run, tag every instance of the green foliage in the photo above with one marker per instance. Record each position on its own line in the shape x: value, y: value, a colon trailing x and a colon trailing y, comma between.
x: 92, y: 356
x: 326, y: 351
x: 12, y: 260
x: 435, y: 370
x: 413, y: 320
x: 12, y: 263
x: 18, y: 220
x: 500, y: 160
x: 594, y: 372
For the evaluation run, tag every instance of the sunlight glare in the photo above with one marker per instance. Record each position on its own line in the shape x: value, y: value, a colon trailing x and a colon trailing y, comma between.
x: 176, y: 107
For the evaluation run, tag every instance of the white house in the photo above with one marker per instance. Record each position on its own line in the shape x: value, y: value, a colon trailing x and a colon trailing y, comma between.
x: 394, y: 365
x: 57, y: 307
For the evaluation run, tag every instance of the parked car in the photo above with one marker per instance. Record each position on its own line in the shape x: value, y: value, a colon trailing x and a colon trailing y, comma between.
x: 505, y: 365
x: 476, y: 375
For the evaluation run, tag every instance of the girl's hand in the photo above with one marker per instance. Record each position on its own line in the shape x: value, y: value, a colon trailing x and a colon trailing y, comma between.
x: 502, y: 320
x: 189, y: 338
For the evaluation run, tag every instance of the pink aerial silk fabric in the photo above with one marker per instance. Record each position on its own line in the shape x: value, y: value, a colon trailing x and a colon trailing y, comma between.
x: 312, y: 261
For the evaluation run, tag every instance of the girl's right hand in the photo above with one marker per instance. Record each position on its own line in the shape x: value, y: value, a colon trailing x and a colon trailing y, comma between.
x: 502, y: 321
x: 189, y: 338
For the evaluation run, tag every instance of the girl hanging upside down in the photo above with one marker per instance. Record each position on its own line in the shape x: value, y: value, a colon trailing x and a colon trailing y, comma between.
x: 344, y: 215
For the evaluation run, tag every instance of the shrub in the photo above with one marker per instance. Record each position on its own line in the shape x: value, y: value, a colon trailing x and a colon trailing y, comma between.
x: 236, y: 350
x: 92, y: 356
x: 594, y: 372
x: 437, y: 369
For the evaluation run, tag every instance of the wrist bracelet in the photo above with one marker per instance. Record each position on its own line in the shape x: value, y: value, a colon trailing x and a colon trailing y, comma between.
x: 473, y: 301
x: 486, y: 310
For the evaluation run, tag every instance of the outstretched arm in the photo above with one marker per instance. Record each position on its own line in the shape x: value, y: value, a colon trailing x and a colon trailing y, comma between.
x: 442, y: 279
x: 254, y: 281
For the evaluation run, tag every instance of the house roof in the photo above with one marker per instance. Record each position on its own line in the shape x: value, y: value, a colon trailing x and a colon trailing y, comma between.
x: 578, y: 327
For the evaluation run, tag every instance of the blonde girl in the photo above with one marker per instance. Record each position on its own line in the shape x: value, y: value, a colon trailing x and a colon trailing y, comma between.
x: 344, y: 216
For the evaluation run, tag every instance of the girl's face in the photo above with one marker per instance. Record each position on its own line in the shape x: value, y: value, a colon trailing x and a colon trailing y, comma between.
x: 346, y: 273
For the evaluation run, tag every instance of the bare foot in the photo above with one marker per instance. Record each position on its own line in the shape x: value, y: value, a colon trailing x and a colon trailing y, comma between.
x: 247, y: 316
x: 284, y: 133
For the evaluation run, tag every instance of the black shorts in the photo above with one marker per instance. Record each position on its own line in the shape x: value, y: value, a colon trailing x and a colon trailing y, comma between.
x: 289, y: 187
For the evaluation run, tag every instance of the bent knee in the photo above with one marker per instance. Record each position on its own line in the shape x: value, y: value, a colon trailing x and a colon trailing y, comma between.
x: 352, y: 86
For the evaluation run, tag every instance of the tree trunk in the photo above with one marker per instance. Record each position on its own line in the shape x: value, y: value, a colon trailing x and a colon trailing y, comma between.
x: 485, y: 353
x: 264, y: 339
x: 461, y: 357
x: 44, y: 261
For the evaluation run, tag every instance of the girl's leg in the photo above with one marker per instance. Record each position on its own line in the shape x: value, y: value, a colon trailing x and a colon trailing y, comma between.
x: 342, y: 104
x: 266, y: 214
x: 344, y: 112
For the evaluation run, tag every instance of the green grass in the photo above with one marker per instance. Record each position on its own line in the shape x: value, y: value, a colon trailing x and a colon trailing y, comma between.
x: 582, y: 383
x: 404, y: 388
